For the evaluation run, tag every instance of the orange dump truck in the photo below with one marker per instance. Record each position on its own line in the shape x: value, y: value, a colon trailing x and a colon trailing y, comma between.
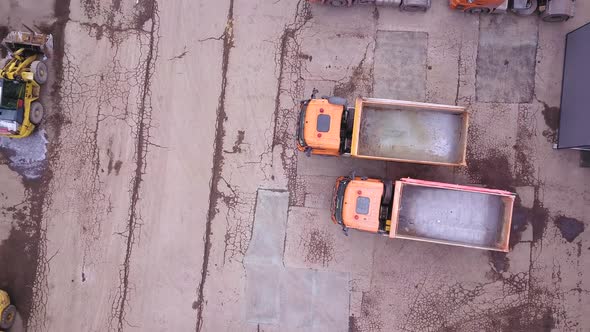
x: 427, y: 211
x: 384, y: 129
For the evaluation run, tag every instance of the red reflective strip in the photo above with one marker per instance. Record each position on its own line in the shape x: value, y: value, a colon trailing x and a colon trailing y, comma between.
x: 19, y: 103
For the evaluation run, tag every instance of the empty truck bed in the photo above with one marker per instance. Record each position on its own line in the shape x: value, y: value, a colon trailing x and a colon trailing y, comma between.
x: 479, y: 219
x: 413, y: 132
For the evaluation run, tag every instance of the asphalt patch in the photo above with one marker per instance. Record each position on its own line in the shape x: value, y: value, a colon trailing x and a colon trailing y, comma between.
x: 569, y: 228
x: 400, y: 65
x: 551, y: 116
x: 507, y: 50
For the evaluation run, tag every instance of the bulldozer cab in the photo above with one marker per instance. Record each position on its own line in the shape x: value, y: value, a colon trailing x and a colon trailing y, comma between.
x: 320, y: 124
x: 12, y: 94
x: 357, y: 203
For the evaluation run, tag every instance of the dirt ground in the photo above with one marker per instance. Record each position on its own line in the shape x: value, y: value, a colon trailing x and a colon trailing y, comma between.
x: 172, y: 197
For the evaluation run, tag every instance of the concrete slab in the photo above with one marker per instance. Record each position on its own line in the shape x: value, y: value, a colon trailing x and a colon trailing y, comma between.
x: 485, y: 150
x: 262, y: 293
x: 318, y: 190
x: 270, y: 221
x: 297, y: 294
x: 331, y: 302
x: 506, y: 59
x: 399, y: 70
x: 313, y: 240
x: 296, y: 299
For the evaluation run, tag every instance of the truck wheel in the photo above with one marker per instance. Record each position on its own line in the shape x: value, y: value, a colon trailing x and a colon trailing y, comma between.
x: 7, y: 317
x: 556, y: 18
x: 338, y: 3
x: 337, y: 101
x: 39, y: 70
x: 349, y: 120
x: 36, y: 113
x: 527, y: 11
x: 387, y: 192
x: 478, y: 10
x: 413, y: 8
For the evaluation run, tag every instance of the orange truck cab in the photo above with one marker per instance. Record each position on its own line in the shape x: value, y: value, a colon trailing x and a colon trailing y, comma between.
x: 325, y: 126
x: 427, y: 211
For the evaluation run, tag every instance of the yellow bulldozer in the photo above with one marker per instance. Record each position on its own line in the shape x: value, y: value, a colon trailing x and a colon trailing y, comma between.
x: 21, y: 77
x: 7, y: 312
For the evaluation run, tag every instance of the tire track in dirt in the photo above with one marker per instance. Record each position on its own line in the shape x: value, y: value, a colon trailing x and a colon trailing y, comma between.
x: 289, y: 64
x: 39, y: 192
x: 108, y: 91
x: 227, y: 39
x: 239, y: 217
x: 148, y: 13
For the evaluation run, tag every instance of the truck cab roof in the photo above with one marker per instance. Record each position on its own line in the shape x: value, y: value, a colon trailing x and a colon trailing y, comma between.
x: 362, y: 203
x: 321, y: 125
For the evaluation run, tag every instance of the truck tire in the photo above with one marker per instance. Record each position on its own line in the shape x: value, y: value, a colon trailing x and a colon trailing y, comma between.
x: 392, y: 3
x: 40, y: 73
x: 339, y: 3
x: 555, y: 18
x: 36, y: 113
x: 7, y: 317
x: 415, y: 5
x: 558, y: 11
x: 478, y: 10
x: 387, y: 192
x: 527, y: 11
x: 337, y: 100
x: 349, y: 120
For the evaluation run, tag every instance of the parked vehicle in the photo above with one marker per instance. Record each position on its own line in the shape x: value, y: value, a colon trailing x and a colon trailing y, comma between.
x: 550, y: 10
x: 21, y: 77
x: 384, y: 129
x: 427, y: 211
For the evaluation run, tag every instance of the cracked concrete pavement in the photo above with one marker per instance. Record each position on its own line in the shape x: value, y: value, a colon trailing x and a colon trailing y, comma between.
x: 174, y: 198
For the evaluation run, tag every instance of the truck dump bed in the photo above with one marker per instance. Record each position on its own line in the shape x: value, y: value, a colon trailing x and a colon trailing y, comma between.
x: 452, y: 214
x: 410, y: 132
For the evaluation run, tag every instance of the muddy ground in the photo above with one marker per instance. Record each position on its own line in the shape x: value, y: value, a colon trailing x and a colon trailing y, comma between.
x: 172, y: 196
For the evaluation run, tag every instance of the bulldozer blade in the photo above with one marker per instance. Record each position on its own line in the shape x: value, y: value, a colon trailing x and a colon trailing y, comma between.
x: 30, y: 41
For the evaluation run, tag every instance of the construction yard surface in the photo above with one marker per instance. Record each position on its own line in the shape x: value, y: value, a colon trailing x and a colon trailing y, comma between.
x: 164, y: 191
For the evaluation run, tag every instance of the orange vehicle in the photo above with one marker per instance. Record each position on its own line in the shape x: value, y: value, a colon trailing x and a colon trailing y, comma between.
x: 427, y: 211
x: 550, y: 10
x: 384, y: 129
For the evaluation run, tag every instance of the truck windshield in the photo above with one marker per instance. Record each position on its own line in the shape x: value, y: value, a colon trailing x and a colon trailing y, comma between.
x: 339, y: 200
x: 10, y: 93
x: 301, y: 125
